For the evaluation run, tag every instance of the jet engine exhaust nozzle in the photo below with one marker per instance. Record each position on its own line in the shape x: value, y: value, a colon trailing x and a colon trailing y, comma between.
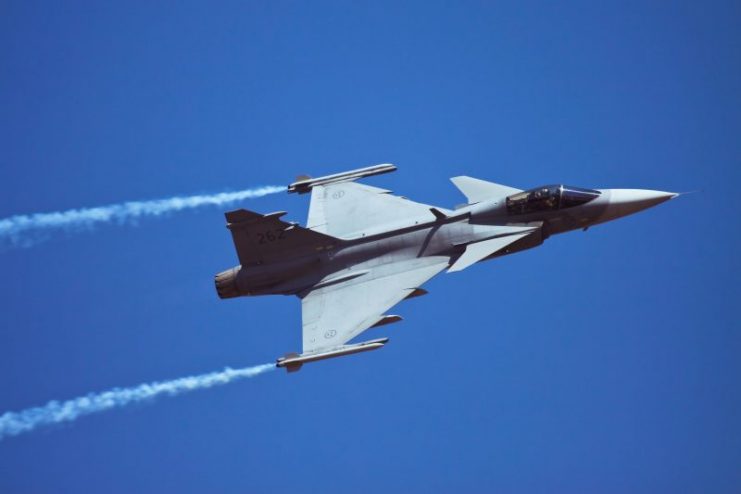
x: 226, y: 283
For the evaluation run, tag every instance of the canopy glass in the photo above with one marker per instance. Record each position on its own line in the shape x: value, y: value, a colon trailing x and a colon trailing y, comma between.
x: 549, y: 198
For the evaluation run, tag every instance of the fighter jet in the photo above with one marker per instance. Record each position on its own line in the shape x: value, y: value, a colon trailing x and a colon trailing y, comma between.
x: 364, y: 250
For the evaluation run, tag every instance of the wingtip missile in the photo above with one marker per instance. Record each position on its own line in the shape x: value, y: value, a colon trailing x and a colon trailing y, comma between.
x: 293, y: 362
x: 305, y: 184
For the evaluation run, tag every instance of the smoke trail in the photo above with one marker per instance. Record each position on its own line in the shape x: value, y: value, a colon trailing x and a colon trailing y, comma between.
x: 55, y: 412
x: 16, y: 228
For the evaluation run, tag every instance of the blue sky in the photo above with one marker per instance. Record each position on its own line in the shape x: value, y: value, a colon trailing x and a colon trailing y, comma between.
x: 602, y: 361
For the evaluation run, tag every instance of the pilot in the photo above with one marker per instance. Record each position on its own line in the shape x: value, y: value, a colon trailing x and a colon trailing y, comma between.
x: 552, y: 201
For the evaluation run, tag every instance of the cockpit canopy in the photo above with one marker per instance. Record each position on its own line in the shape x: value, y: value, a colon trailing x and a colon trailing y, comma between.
x: 549, y: 198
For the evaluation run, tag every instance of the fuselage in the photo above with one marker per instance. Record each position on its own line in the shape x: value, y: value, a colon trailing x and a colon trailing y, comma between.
x: 549, y: 210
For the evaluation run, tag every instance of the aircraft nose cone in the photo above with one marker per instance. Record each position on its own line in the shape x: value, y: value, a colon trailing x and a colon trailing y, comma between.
x: 623, y: 202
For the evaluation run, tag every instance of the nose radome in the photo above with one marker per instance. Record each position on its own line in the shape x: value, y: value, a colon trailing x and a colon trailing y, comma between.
x: 639, y: 197
x: 623, y: 202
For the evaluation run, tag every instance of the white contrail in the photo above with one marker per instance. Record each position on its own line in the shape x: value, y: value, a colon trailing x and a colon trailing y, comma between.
x: 54, y: 412
x: 15, y: 227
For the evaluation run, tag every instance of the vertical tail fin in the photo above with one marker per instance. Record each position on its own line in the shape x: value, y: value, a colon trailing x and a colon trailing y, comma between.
x: 262, y: 238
